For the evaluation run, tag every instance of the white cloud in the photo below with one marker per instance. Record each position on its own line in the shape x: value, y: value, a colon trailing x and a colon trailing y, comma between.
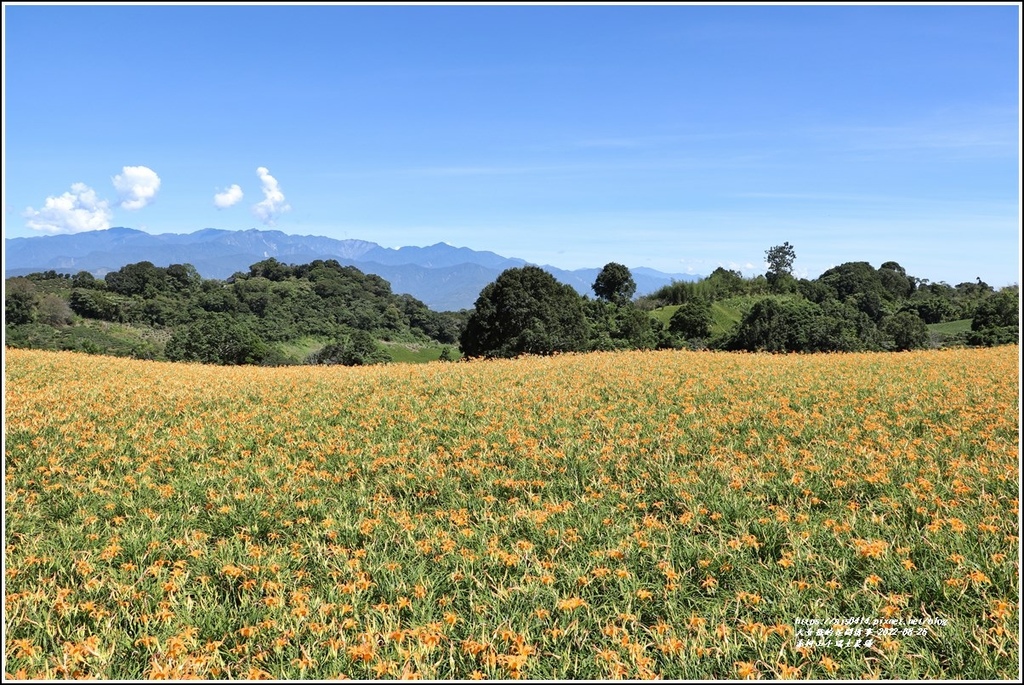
x: 137, y: 186
x: 231, y: 196
x: 73, y: 212
x: 273, y: 203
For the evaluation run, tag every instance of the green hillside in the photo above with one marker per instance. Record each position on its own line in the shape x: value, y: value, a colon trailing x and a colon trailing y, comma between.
x: 724, y: 314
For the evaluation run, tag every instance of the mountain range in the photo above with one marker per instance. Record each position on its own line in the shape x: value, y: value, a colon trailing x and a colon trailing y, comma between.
x: 443, y: 277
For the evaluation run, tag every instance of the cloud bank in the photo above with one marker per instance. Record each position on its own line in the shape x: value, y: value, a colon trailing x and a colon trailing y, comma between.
x: 231, y: 196
x: 273, y: 203
x: 73, y: 212
x: 137, y: 186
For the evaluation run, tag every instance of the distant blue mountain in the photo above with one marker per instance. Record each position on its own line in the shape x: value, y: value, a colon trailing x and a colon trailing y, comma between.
x: 444, y: 277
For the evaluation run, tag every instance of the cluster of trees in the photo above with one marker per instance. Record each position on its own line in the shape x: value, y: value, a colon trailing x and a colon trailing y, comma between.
x: 526, y: 311
x: 237, y: 321
x: 851, y: 307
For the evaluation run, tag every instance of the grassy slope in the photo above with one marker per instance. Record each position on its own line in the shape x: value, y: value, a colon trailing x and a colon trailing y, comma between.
x: 951, y: 327
x: 120, y: 340
x: 410, y: 353
x: 724, y: 314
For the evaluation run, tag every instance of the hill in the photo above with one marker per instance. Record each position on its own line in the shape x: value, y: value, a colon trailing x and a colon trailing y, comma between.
x: 270, y: 314
x: 443, y: 277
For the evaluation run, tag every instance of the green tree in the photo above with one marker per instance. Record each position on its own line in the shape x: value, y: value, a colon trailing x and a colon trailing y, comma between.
x: 84, y: 279
x: 998, y: 311
x: 217, y: 339
x: 997, y: 319
x: 525, y: 311
x: 95, y: 304
x: 54, y: 310
x: 692, y: 320
x: 777, y: 324
x: 19, y: 302
x: 615, y: 284
x: 271, y: 269
x: 356, y: 349
x: 183, y: 278
x: 859, y: 284
x: 780, y: 265
x: 907, y: 330
x: 722, y: 283
x: 142, y: 278
x: 616, y: 327
x: 895, y: 280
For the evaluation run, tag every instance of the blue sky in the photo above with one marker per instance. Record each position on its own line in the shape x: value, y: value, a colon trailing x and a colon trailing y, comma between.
x: 677, y: 137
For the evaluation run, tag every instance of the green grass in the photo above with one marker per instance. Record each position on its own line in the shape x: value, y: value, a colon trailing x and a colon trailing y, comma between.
x: 951, y: 327
x: 411, y: 353
x: 298, y: 350
x: 725, y: 315
x: 949, y: 333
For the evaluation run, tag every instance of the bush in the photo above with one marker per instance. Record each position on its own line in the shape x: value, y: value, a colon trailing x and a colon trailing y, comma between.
x: 357, y: 349
x: 692, y: 320
x: 217, y: 339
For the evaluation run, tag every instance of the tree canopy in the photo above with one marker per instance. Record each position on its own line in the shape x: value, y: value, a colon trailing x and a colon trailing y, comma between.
x: 525, y: 311
x: 615, y: 283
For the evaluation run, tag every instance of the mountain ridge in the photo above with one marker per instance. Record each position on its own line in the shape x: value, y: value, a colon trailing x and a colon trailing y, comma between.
x: 442, y: 276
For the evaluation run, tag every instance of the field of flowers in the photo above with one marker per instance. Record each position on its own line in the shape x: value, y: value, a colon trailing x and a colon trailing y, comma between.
x: 679, y: 515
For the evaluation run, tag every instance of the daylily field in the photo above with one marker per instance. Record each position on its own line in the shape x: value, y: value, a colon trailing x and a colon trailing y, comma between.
x: 632, y: 515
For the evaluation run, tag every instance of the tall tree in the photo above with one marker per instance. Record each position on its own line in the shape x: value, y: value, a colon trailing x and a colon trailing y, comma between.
x: 615, y: 283
x: 780, y: 263
x: 525, y: 311
x: 19, y: 302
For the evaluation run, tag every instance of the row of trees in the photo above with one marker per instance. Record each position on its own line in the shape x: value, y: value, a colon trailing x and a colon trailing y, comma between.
x: 525, y: 310
x: 851, y: 307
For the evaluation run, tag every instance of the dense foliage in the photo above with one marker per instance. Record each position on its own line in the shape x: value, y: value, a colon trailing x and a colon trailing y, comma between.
x: 248, y: 318
x: 525, y: 311
x: 850, y: 307
x: 326, y: 313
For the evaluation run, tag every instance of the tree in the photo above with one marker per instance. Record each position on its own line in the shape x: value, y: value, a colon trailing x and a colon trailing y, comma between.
x: 780, y: 263
x: 142, y: 278
x: 525, y: 311
x: 907, y: 330
x: 217, y: 339
x: 723, y: 283
x: 998, y: 311
x: 777, y: 325
x: 84, y: 279
x: 997, y: 319
x: 95, y: 304
x: 19, y: 302
x: 357, y: 349
x: 183, y: 278
x: 895, y: 280
x: 614, y: 327
x: 692, y: 320
x: 859, y: 284
x: 615, y: 283
x: 54, y: 310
